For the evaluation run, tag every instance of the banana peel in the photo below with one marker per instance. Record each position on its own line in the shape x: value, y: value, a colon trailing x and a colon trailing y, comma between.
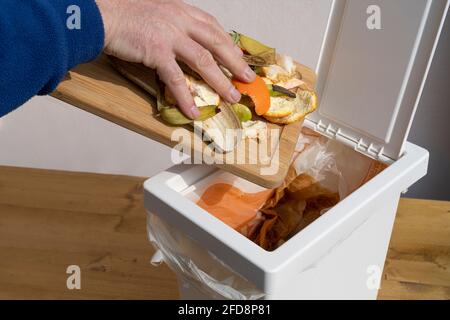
x: 220, y: 125
x: 258, y: 54
x: 224, y: 129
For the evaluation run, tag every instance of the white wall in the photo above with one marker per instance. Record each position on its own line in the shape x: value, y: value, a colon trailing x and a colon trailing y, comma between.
x: 292, y: 26
x: 46, y: 133
x: 431, y: 127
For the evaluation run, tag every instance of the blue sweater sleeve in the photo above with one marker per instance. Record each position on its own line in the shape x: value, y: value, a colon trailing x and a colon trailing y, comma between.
x: 38, y: 45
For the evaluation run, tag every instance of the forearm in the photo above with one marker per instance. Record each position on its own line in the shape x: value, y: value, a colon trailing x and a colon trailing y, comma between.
x: 37, y: 47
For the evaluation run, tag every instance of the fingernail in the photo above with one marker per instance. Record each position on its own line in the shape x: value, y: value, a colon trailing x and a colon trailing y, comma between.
x: 249, y: 74
x: 195, y: 113
x: 235, y: 95
x: 238, y: 51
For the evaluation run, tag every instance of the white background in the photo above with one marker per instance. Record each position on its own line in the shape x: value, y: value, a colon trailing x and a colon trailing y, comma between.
x: 46, y: 133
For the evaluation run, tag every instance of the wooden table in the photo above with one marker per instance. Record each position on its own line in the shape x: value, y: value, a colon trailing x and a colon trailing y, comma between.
x: 50, y: 220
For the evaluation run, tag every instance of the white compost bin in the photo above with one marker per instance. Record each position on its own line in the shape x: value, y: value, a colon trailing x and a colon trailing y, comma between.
x: 370, y: 82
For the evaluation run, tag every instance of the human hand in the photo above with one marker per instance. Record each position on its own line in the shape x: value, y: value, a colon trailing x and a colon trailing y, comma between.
x: 159, y: 32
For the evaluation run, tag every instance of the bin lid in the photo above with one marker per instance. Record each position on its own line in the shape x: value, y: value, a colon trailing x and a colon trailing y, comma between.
x: 370, y: 80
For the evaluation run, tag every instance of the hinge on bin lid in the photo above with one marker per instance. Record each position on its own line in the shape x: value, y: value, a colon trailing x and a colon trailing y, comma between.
x: 361, y: 145
x: 369, y: 91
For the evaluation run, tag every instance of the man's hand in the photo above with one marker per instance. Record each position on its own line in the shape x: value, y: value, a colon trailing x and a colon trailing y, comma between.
x: 159, y: 32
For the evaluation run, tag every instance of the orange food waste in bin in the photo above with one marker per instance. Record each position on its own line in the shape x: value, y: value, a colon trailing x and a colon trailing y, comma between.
x: 231, y: 205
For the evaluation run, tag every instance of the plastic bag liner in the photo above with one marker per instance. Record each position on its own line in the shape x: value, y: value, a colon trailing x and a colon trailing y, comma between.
x: 207, y: 274
x: 332, y: 164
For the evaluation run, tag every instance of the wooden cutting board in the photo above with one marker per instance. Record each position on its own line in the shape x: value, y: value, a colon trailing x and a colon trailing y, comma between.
x: 98, y: 88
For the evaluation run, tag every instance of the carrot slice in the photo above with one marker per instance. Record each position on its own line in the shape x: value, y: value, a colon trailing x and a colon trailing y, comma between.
x: 258, y: 92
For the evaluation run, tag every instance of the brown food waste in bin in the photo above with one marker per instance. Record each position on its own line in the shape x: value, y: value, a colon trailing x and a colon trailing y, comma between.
x: 292, y: 207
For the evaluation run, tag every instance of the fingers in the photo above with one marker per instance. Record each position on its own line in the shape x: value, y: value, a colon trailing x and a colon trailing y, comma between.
x: 202, y: 61
x: 210, y: 22
x: 172, y: 75
x: 223, y: 48
x: 207, y: 32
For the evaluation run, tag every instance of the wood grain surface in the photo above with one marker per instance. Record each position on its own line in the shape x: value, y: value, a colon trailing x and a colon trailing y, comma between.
x: 51, y: 219
x: 99, y: 89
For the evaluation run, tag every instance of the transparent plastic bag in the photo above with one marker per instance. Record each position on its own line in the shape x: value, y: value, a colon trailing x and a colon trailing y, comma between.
x: 336, y: 166
x: 196, y: 266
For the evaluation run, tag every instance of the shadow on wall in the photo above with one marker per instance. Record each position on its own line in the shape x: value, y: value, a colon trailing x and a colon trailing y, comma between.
x: 431, y: 128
